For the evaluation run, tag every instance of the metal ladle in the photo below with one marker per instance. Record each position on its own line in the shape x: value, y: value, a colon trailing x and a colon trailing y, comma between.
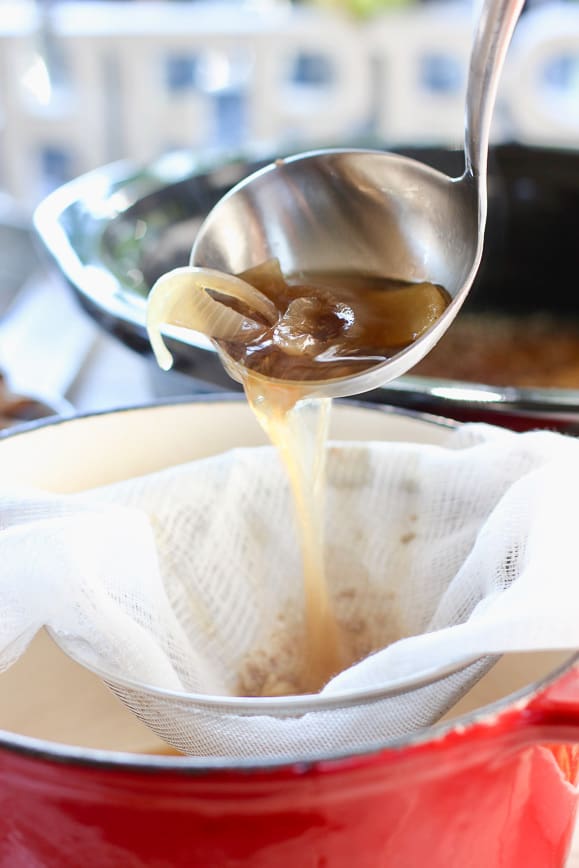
x: 372, y: 211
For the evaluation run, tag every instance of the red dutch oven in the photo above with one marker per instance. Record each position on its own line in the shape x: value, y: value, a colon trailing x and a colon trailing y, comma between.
x: 83, y: 783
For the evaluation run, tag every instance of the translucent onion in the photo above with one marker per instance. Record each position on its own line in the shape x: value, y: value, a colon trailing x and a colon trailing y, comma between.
x: 183, y: 297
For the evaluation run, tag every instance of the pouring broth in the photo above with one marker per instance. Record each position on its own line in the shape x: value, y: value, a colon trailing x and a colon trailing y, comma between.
x: 313, y: 327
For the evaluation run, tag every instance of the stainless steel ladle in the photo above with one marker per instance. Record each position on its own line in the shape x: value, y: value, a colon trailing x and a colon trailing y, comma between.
x: 372, y: 211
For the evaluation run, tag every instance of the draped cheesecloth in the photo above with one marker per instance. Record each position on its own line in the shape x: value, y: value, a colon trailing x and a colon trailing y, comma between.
x: 176, y: 585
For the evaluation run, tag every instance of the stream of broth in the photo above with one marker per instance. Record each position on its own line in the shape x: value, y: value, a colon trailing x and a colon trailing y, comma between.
x: 329, y: 325
x: 298, y: 428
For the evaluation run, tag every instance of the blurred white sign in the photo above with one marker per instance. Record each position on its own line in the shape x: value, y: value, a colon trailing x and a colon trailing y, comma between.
x: 102, y: 81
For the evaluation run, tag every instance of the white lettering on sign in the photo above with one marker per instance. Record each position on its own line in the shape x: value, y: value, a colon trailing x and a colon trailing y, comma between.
x: 133, y: 81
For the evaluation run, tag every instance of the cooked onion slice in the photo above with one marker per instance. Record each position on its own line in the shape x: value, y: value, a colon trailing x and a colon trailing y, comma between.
x: 189, y: 297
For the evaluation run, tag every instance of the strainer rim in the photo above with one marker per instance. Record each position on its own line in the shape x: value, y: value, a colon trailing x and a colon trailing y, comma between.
x: 304, y: 703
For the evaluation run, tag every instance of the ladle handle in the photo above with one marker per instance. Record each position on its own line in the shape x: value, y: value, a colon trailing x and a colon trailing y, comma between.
x: 493, y: 34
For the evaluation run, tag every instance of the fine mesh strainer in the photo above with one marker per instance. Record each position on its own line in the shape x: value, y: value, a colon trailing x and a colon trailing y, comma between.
x: 304, y: 726
x: 490, y: 521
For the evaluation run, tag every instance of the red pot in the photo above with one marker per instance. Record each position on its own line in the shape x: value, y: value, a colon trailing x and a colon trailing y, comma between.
x: 494, y: 788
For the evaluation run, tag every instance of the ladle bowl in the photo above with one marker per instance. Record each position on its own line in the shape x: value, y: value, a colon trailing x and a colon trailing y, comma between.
x: 353, y: 211
x: 372, y: 212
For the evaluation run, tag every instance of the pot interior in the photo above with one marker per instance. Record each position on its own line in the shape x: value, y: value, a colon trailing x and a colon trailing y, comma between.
x: 45, y: 694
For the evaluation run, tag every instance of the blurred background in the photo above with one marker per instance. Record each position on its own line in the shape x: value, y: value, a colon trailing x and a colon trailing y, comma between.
x: 87, y: 84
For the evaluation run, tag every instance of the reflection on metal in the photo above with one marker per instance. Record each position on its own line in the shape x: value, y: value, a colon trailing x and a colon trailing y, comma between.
x: 461, y: 393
